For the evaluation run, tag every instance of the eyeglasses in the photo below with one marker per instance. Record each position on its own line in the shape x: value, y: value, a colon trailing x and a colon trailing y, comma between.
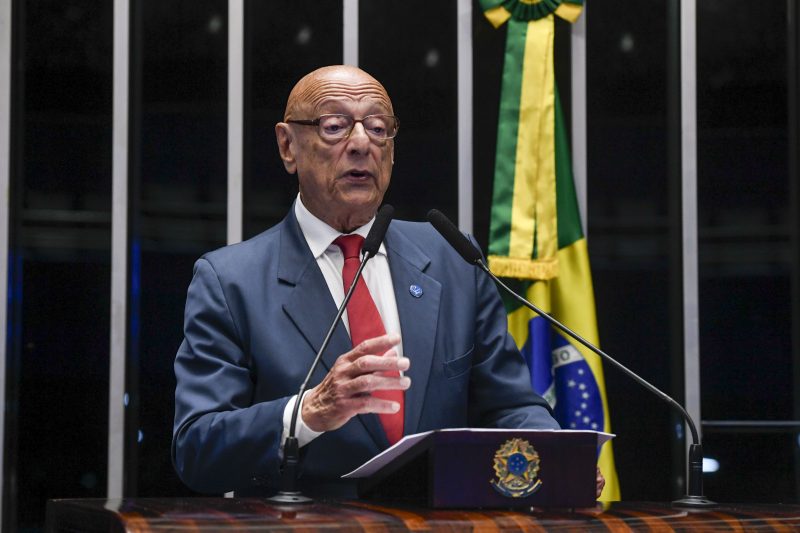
x: 337, y: 127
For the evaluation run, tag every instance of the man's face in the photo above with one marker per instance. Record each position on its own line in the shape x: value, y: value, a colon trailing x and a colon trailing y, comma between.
x: 342, y: 182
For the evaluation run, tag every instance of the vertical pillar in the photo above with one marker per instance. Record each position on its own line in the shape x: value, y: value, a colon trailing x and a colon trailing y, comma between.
x: 464, y: 68
x: 350, y: 32
x: 579, y: 122
x: 235, y: 209
x: 691, y: 313
x: 5, y: 208
x: 119, y: 250
x: 235, y: 118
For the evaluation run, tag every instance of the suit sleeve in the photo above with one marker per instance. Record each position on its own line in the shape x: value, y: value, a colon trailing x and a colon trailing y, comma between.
x: 500, y: 391
x: 221, y: 442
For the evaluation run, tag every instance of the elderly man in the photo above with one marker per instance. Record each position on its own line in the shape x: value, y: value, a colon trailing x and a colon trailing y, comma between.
x: 423, y: 346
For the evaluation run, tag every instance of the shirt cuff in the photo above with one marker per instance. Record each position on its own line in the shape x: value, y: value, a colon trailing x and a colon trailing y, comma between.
x: 303, y: 433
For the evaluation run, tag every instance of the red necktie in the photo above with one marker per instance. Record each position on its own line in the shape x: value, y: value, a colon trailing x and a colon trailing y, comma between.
x: 365, y: 323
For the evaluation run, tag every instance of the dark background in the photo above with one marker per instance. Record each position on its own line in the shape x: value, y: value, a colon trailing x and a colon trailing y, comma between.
x: 59, y: 298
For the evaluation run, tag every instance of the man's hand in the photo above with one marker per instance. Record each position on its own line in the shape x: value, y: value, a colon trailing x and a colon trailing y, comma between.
x: 346, y: 391
x: 601, y: 482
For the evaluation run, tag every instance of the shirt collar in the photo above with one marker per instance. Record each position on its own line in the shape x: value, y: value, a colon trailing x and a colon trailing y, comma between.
x: 320, y: 235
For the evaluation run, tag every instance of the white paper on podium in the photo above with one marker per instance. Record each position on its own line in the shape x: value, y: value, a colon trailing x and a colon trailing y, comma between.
x: 387, y: 455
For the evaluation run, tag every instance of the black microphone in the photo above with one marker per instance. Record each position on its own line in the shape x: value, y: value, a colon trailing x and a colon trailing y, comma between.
x: 376, y: 233
x: 453, y: 236
x: 694, y: 494
x: 289, y: 492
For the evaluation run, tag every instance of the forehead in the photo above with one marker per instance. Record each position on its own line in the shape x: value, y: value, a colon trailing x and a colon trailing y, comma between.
x: 341, y: 88
x: 331, y: 93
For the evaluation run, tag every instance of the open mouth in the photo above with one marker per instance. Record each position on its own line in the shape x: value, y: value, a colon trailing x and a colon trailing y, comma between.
x: 358, y: 174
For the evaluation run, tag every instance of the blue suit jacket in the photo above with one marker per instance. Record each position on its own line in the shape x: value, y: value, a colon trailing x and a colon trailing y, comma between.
x: 257, y: 312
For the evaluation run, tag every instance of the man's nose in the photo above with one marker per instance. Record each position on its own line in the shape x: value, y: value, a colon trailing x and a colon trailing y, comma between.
x: 359, y: 138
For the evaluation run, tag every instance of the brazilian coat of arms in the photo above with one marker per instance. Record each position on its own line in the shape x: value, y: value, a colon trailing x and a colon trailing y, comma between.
x: 516, y: 467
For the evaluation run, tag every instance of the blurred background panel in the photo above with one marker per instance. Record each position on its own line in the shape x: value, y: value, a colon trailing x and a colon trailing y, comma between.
x: 178, y: 200
x: 744, y: 208
x: 633, y: 222
x: 284, y: 40
x: 745, y: 247
x: 57, y: 353
x: 411, y: 47
x: 633, y: 226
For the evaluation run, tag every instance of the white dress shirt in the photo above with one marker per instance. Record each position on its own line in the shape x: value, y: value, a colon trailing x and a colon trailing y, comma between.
x: 330, y: 260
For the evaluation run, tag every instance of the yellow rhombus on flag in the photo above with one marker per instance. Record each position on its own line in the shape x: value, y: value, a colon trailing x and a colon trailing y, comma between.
x: 535, y: 235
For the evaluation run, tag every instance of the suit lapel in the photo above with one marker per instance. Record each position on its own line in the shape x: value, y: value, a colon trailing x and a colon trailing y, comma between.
x: 311, y: 308
x: 418, y: 316
x: 309, y: 304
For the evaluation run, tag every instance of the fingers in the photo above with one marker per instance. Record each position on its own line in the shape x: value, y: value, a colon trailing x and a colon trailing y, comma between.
x: 374, y: 346
x: 376, y: 363
x: 370, y: 404
x: 368, y: 383
x: 373, y: 355
x: 601, y: 482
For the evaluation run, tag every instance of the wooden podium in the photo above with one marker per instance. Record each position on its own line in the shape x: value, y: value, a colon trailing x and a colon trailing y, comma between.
x: 425, y: 477
x: 252, y: 514
x: 477, y: 468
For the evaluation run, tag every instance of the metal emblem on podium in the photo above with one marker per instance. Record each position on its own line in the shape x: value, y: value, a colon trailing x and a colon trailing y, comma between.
x: 516, y: 467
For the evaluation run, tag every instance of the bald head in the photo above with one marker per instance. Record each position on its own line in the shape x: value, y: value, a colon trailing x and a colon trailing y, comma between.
x: 316, y: 87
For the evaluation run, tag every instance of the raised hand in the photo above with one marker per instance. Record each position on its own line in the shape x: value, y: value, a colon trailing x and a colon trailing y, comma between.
x: 346, y: 390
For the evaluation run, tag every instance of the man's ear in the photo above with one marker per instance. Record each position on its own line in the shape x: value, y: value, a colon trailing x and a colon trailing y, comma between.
x: 286, y: 146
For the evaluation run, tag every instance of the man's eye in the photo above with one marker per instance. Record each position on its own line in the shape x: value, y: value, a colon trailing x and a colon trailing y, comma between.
x: 334, y: 125
x: 376, y: 126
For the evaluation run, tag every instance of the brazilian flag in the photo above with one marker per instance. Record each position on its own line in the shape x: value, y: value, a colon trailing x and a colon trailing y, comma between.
x: 536, y: 239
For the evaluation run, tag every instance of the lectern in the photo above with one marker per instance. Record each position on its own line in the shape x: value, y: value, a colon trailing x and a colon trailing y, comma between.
x: 481, y: 468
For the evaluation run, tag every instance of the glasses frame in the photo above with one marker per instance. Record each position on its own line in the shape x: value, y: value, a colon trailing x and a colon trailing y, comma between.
x: 316, y: 122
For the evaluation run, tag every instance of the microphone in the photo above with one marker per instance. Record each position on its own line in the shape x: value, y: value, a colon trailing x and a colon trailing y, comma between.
x: 289, y: 492
x: 376, y: 233
x: 694, y: 495
x: 454, y: 237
